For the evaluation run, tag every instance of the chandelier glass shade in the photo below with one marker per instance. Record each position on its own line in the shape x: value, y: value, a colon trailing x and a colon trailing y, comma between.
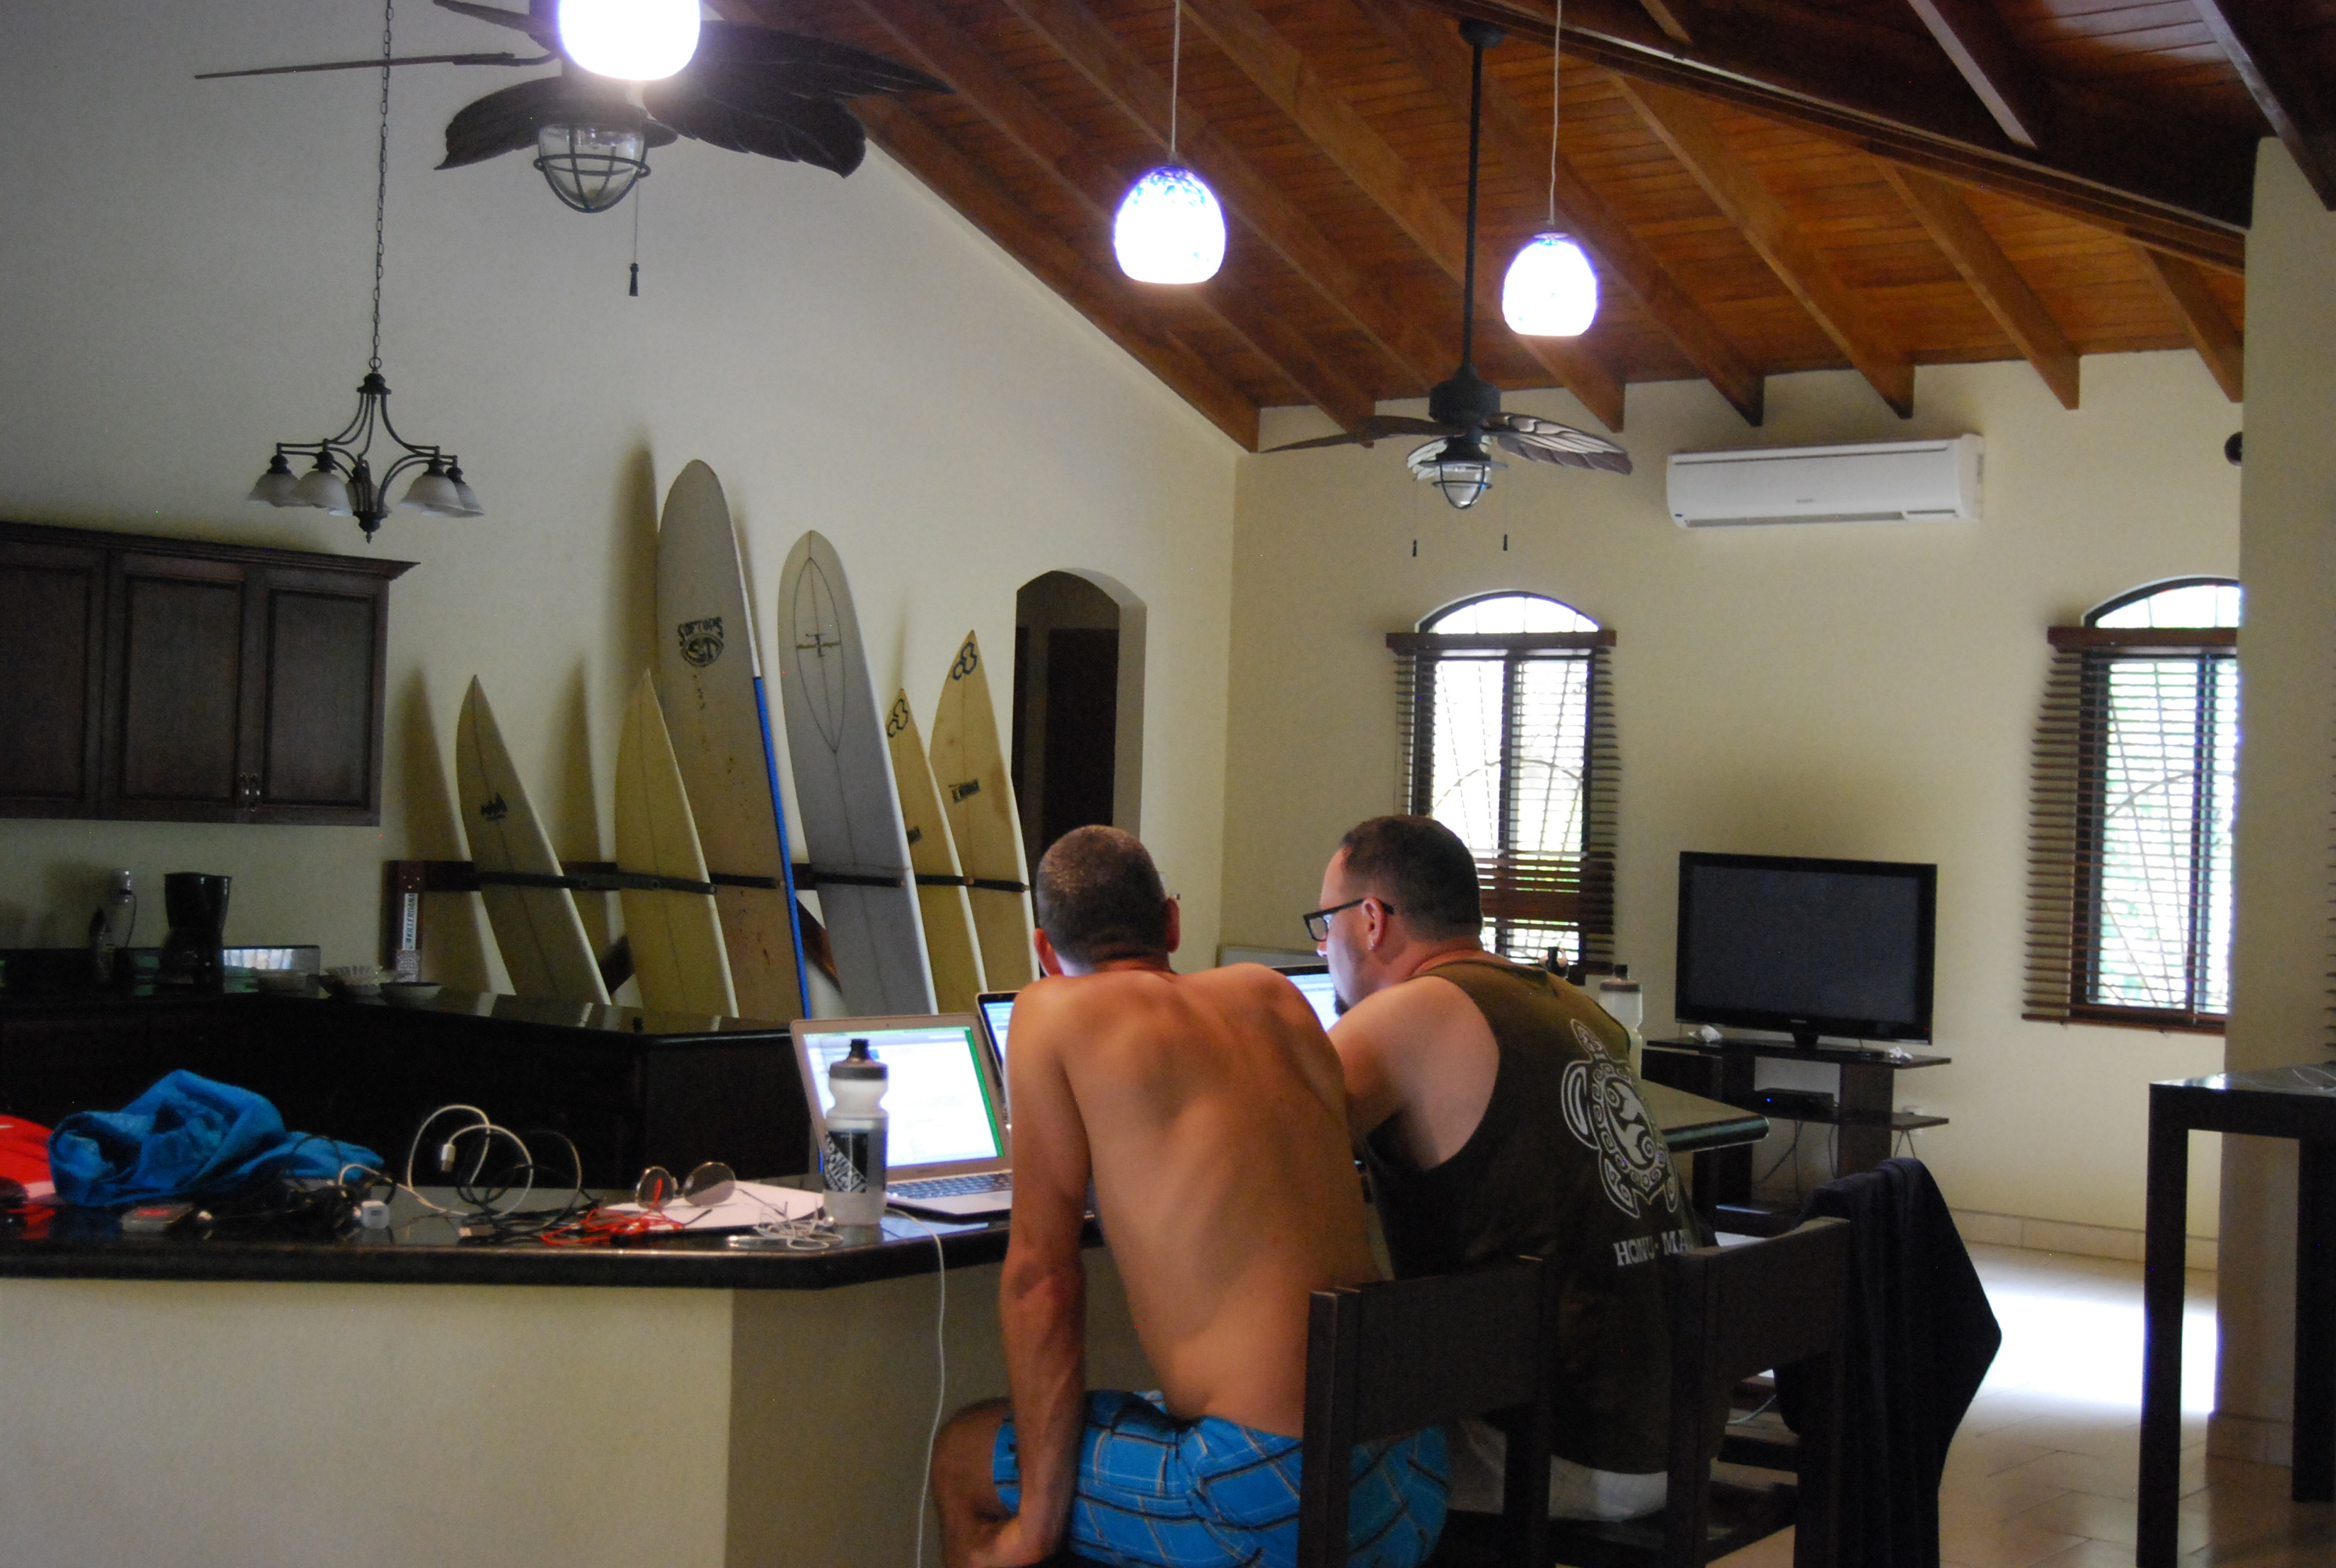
x: 590, y: 167
x: 1170, y: 229
x: 1551, y: 290
x: 632, y: 40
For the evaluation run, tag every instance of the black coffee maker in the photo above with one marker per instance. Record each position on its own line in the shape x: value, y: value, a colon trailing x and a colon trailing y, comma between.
x: 196, y: 902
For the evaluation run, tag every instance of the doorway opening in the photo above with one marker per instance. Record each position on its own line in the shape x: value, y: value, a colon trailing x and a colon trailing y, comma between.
x: 1078, y: 705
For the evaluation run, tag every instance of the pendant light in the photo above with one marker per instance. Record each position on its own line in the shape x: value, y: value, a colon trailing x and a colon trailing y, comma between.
x: 1170, y: 228
x: 1551, y: 290
x: 633, y: 40
x: 341, y: 480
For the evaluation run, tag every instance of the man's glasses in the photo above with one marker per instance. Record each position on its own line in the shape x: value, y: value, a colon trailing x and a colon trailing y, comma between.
x: 1318, y: 921
x: 712, y: 1183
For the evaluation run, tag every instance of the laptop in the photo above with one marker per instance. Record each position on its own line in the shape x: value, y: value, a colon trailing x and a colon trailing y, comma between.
x: 1313, y: 983
x: 946, y: 1149
x: 996, y: 1010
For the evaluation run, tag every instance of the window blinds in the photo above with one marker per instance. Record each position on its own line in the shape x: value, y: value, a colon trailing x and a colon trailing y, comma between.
x: 1508, y: 739
x: 2129, y: 908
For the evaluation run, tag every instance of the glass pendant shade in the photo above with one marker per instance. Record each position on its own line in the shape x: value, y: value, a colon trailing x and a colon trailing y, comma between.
x: 1462, y: 470
x: 434, y: 492
x: 1551, y: 290
x: 634, y: 40
x: 323, y: 486
x: 278, y: 486
x: 1170, y: 229
x: 589, y: 167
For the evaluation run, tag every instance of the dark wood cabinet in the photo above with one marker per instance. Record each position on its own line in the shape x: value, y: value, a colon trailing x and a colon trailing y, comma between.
x: 176, y: 680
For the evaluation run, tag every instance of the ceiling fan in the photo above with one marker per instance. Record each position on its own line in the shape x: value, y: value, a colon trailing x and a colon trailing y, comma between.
x: 747, y: 89
x: 1465, y: 412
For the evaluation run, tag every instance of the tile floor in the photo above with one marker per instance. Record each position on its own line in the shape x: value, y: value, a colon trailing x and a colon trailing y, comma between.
x: 2042, y: 1472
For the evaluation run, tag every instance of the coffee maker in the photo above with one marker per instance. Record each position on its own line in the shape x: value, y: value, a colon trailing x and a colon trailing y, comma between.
x: 196, y: 902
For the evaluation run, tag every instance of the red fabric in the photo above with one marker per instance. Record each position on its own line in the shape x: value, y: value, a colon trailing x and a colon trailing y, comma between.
x: 24, y: 1154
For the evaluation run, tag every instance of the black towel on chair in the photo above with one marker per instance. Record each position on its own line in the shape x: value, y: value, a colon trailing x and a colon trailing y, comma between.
x: 1920, y: 1337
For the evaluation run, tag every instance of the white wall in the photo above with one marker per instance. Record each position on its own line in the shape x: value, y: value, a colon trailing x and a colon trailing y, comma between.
x: 1863, y: 691
x: 184, y: 278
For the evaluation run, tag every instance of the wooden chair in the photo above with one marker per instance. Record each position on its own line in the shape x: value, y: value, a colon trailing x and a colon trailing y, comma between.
x: 1737, y: 1311
x: 1390, y: 1357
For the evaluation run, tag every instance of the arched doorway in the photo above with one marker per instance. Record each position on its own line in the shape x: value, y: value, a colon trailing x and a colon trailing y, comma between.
x: 1078, y: 705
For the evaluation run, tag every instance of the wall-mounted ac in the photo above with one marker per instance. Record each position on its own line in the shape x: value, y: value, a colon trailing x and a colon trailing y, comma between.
x: 1873, y: 482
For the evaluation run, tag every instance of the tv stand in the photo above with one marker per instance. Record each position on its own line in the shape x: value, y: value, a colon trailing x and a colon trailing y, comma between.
x: 1866, y: 1111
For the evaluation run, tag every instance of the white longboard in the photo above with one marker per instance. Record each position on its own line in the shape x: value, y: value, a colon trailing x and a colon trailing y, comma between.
x: 709, y: 681
x: 857, y: 847
x: 977, y: 794
x: 949, y: 941
x: 678, y: 957
x: 537, y: 928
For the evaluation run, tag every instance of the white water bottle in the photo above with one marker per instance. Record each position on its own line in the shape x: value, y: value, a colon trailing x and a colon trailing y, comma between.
x: 1627, y: 1006
x: 851, y: 1158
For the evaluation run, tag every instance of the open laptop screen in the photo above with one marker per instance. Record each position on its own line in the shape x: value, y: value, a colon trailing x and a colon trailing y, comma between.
x: 1315, y: 986
x: 935, y: 1094
x: 996, y: 1012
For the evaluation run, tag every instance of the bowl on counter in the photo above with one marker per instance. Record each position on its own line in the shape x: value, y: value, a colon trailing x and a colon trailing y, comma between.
x: 409, y: 993
x: 356, y: 979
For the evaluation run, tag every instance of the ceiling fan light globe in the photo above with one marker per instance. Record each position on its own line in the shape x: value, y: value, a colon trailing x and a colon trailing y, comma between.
x: 1460, y: 468
x: 1170, y: 229
x: 632, y: 40
x: 1551, y: 290
x: 590, y: 168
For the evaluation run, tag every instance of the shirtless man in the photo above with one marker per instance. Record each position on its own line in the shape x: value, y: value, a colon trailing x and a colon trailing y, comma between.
x: 1496, y: 1113
x: 1209, y: 1112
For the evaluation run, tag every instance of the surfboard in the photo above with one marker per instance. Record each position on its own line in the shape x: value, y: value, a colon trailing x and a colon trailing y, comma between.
x: 950, y: 942
x: 678, y: 956
x: 709, y: 682
x: 850, y: 805
x: 977, y: 794
x: 537, y: 928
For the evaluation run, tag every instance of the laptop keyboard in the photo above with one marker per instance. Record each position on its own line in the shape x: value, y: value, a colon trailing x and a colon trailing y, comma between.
x: 954, y: 1186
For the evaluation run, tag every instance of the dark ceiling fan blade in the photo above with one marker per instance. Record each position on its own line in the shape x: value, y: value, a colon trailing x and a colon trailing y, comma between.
x: 815, y: 67
x: 542, y: 29
x: 506, y: 120
x: 1374, y: 428
x: 504, y: 58
x: 732, y: 108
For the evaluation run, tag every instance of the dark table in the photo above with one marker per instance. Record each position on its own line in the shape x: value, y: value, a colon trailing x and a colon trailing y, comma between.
x: 2297, y: 1103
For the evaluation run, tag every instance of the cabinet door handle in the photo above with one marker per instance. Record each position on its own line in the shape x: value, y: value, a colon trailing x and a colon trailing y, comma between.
x: 247, y: 787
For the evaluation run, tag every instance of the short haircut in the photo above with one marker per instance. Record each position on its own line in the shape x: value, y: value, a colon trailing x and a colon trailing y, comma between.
x: 1099, y: 898
x: 1421, y: 867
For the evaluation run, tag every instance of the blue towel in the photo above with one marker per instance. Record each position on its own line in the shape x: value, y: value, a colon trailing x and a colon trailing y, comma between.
x: 185, y: 1136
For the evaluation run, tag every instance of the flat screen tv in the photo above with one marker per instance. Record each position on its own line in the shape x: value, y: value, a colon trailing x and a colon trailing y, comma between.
x: 1806, y: 947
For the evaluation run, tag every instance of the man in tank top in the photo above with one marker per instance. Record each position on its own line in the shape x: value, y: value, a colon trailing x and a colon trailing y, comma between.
x: 1494, y: 1108
x: 1209, y: 1112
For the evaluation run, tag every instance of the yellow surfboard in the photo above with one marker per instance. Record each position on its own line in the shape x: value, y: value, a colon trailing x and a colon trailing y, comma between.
x: 541, y: 937
x: 950, y: 942
x: 678, y: 956
x: 978, y: 795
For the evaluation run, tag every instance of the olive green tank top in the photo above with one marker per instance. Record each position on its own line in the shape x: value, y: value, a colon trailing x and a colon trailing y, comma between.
x: 1566, y: 1164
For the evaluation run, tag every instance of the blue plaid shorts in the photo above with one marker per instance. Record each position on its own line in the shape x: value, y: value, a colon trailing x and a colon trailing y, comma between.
x: 1158, y: 1493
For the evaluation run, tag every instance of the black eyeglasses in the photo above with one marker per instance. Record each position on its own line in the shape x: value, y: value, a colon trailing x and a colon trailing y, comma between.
x: 1318, y: 921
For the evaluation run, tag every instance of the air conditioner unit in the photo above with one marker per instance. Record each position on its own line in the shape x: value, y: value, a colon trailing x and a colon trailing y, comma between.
x: 1872, y: 482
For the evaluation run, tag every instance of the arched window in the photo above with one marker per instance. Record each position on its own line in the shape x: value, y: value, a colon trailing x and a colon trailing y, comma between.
x: 1508, y: 742
x: 2137, y: 781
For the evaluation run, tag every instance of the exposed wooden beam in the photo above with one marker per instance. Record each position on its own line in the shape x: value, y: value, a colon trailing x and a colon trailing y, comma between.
x: 1141, y: 95
x: 1678, y: 18
x: 2165, y: 183
x: 2218, y: 342
x: 1434, y: 48
x: 1684, y: 127
x: 2276, y: 66
x: 1286, y: 78
x: 934, y: 42
x: 1099, y: 296
x: 1958, y: 232
x: 1982, y: 49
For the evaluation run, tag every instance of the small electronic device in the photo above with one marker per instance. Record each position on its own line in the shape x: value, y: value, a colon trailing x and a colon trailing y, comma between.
x: 1795, y: 1105
x: 948, y: 1152
x: 1806, y: 947
x: 1313, y: 983
x: 996, y: 1010
x: 153, y: 1218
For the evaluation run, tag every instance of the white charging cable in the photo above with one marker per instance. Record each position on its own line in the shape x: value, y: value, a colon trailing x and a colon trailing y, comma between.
x: 941, y: 1358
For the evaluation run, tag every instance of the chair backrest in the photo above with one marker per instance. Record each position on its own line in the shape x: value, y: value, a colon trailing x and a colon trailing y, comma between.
x: 1755, y: 1306
x: 1399, y: 1355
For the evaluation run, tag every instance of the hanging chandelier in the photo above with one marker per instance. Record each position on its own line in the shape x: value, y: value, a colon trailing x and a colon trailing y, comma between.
x: 1170, y: 228
x: 1551, y: 290
x: 341, y: 479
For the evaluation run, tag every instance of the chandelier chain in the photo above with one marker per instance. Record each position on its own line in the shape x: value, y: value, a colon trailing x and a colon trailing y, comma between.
x: 1176, y: 73
x: 380, y: 173
x: 1556, y: 83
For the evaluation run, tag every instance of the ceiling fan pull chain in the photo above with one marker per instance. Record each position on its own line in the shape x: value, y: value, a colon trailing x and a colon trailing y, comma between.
x: 633, y: 287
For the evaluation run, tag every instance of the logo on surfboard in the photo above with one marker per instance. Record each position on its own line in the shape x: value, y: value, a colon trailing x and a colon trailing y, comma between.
x: 968, y: 659
x: 898, y: 719
x: 701, y: 641
x: 969, y: 788
x: 494, y: 808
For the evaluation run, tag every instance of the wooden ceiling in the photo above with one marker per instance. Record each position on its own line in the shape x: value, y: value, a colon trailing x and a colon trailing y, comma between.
x: 1763, y: 185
